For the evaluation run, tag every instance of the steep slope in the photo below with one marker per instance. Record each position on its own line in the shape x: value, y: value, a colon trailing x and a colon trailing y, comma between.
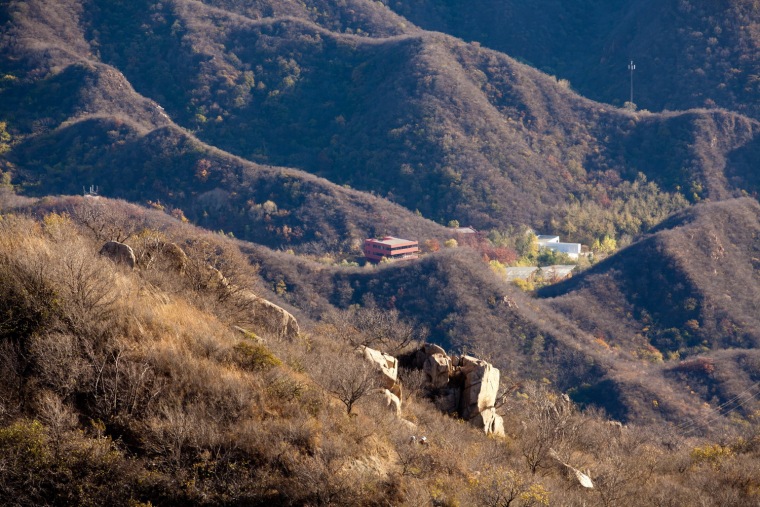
x: 446, y: 128
x: 687, y: 54
x: 78, y: 122
x: 154, y: 385
x: 686, y: 295
x: 696, y: 275
x: 465, y: 308
x: 272, y: 206
x: 452, y: 294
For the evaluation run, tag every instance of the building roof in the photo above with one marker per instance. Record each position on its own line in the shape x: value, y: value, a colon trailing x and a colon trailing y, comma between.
x: 391, y: 241
x: 558, y: 270
x: 520, y: 272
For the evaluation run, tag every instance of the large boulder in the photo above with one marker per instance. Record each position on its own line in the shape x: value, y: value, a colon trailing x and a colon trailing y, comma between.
x: 119, y: 253
x: 173, y: 256
x: 481, y: 387
x: 387, y: 366
x: 489, y: 421
x: 272, y: 318
x: 163, y: 256
x: 427, y: 350
x: 436, y: 365
x: 266, y: 315
x: 464, y: 385
x: 437, y: 369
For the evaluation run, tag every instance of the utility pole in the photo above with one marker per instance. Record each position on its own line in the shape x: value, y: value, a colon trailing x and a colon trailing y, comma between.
x: 631, y: 67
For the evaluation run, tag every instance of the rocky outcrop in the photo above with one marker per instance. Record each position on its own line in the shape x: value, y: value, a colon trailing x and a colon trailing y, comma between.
x: 162, y: 256
x: 387, y: 367
x: 436, y: 365
x: 481, y: 386
x: 272, y: 318
x: 392, y: 401
x: 266, y: 316
x: 119, y: 253
x: 465, y: 385
x: 173, y: 256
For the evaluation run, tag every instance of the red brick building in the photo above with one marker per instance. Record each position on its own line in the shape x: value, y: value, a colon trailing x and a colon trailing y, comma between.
x: 391, y: 248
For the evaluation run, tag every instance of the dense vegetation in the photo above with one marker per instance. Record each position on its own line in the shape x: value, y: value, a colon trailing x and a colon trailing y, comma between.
x: 688, y: 54
x: 350, y: 93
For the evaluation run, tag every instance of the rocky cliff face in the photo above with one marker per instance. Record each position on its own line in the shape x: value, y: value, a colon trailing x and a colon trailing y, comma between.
x: 481, y: 387
x: 465, y: 386
x: 387, y: 367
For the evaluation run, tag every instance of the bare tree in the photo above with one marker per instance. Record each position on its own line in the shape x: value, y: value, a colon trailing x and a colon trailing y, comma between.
x: 349, y: 382
x: 501, y: 487
x: 106, y: 221
x: 376, y: 328
x: 625, y: 468
x: 549, y: 422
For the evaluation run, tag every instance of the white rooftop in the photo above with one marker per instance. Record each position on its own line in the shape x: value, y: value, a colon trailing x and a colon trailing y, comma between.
x: 390, y: 240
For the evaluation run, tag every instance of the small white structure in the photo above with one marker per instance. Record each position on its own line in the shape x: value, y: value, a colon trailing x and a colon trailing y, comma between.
x: 465, y: 230
x: 573, y: 250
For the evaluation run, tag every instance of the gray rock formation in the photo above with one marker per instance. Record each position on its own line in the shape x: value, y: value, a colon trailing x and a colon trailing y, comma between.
x: 436, y: 365
x: 272, y: 318
x: 466, y: 385
x: 387, y: 367
x: 265, y: 315
x: 119, y: 253
x: 438, y: 369
x: 481, y: 386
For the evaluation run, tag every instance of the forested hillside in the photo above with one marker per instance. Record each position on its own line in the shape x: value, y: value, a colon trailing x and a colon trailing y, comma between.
x: 243, y: 150
x: 688, y: 54
x: 353, y: 94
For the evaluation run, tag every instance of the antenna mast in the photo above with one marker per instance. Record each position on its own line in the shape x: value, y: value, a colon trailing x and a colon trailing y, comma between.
x: 631, y: 67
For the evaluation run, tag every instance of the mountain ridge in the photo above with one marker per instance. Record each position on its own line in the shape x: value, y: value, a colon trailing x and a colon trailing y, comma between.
x: 464, y: 141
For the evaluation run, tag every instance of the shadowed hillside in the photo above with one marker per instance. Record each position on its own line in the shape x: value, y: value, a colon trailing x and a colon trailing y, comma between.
x: 151, y: 361
x: 352, y: 94
x: 147, y: 100
x: 616, y: 337
x: 684, y: 298
x: 688, y: 54
x: 272, y: 206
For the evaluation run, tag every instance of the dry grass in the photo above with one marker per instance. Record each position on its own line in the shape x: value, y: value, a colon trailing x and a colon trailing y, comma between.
x: 154, y: 391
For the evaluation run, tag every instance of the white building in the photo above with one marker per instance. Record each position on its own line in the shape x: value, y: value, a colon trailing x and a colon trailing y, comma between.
x: 573, y: 250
